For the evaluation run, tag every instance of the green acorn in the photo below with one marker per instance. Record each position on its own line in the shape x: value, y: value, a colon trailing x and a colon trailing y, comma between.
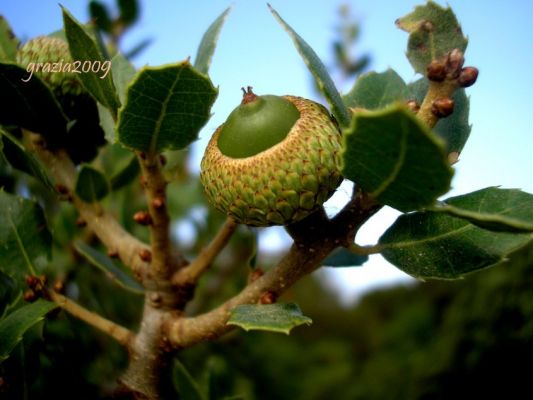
x: 274, y: 161
x: 49, y: 58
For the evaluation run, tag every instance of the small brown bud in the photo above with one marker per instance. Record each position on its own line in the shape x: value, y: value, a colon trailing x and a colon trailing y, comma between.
x: 442, y: 107
x: 142, y: 154
x: 142, y: 218
x: 255, y: 275
x: 81, y: 223
x: 413, y: 105
x: 427, y: 26
x: 32, y: 281
x: 43, y: 279
x: 61, y: 189
x: 142, y: 180
x: 59, y: 286
x: 468, y: 76
x: 454, y: 63
x: 268, y: 298
x: 158, y: 202
x: 436, y: 71
x: 30, y: 296
x: 162, y: 159
x: 112, y: 253
x: 453, y: 157
x: 145, y: 255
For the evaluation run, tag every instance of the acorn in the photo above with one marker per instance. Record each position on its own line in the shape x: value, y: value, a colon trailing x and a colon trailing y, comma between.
x: 274, y: 161
x: 52, y: 63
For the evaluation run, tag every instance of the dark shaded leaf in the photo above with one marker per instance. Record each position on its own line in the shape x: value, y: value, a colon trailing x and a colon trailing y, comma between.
x: 91, y: 185
x: 268, y: 317
x: 376, y: 90
x: 165, y: 109
x: 342, y: 257
x: 106, y: 265
x: 138, y: 48
x: 126, y: 175
x: 84, y: 48
x: 28, y: 103
x: 13, y: 327
x: 8, y: 42
x: 99, y: 13
x: 433, y: 32
x: 500, y: 210
x: 20, y: 159
x: 129, y: 11
x: 8, y: 291
x: 185, y: 384
x: 395, y: 158
x: 25, y: 241
x: 436, y: 245
x: 208, y: 44
x: 319, y: 72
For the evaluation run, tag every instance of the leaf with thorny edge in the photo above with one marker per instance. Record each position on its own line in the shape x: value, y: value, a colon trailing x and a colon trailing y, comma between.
x: 395, y: 158
x: 165, y: 108
x: 319, y: 72
x: 433, y: 32
x: 268, y: 317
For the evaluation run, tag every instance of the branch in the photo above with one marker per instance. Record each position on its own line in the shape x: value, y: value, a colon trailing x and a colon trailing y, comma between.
x: 163, y: 260
x: 191, y: 274
x: 120, y: 334
x: 104, y: 225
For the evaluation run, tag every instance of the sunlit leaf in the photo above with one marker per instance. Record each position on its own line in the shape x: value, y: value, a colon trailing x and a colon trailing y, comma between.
x: 208, y: 44
x: 8, y: 42
x: 268, y: 317
x: 165, y: 108
x: 396, y: 159
x: 319, y: 72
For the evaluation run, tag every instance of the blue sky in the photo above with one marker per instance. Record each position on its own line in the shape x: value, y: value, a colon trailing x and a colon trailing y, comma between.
x: 254, y: 50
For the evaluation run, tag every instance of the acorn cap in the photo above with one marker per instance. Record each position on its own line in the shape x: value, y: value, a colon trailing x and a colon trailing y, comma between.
x: 52, y: 63
x: 283, y: 183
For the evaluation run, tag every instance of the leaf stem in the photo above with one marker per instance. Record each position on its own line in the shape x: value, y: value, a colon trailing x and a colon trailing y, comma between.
x: 119, y: 333
x: 191, y: 273
x: 366, y: 250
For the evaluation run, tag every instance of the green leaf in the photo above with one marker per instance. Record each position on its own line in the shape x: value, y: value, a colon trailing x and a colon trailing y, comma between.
x: 13, y: 327
x: 436, y: 245
x: 91, y: 185
x: 129, y: 11
x: 342, y: 257
x: 20, y: 159
x: 165, y: 109
x: 99, y: 13
x: 8, y: 291
x: 184, y: 383
x: 501, y: 210
x: 123, y: 73
x: 376, y: 90
x: 31, y: 104
x: 319, y: 72
x: 108, y: 266
x: 24, y: 237
x: 395, y: 158
x: 208, y: 44
x: 84, y: 48
x: 433, y: 32
x: 138, y: 48
x: 268, y: 317
x: 8, y: 42
x: 454, y: 129
x: 126, y: 175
